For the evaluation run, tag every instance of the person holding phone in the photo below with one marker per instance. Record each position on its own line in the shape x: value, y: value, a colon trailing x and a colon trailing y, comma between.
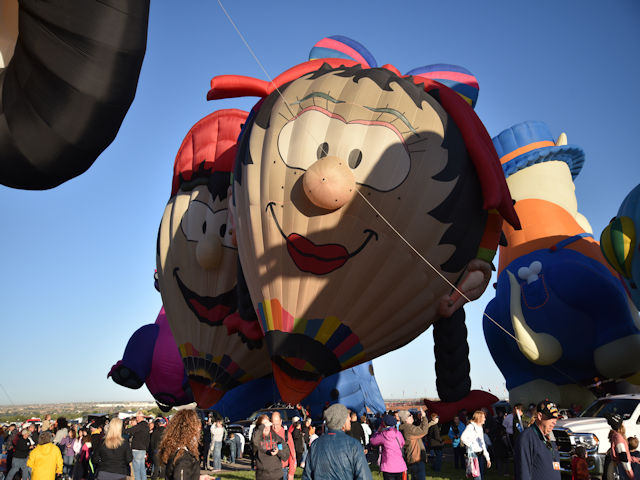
x: 270, y: 450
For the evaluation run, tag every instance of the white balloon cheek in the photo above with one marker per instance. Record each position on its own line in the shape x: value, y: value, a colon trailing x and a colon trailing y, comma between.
x: 301, y: 139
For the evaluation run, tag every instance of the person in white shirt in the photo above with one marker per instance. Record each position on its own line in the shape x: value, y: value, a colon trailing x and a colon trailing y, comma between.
x: 367, y: 430
x: 513, y: 424
x: 218, y: 434
x: 473, y: 438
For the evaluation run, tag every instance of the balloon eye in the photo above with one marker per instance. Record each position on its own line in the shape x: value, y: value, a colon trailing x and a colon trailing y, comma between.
x: 355, y: 157
x: 204, y: 227
x: 223, y: 229
x: 323, y: 150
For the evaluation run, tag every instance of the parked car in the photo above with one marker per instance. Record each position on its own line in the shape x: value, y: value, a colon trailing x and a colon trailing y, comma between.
x: 591, y: 430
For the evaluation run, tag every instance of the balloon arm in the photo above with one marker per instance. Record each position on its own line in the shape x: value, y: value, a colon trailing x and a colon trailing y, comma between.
x: 471, y: 287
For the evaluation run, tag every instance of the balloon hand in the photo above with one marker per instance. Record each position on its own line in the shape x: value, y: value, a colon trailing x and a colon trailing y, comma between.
x: 472, y: 286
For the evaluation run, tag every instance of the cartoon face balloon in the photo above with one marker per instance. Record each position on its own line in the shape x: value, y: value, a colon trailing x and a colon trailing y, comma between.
x: 318, y: 167
x: 197, y: 261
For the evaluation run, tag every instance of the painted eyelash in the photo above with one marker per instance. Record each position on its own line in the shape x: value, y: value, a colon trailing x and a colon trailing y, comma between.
x: 326, y: 96
x: 395, y: 113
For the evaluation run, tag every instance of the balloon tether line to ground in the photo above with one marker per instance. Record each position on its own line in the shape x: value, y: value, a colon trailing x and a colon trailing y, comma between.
x: 374, y: 208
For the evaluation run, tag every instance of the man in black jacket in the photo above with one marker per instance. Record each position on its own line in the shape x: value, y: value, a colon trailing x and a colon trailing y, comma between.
x: 536, y: 454
x: 154, y: 448
x: 20, y: 454
x: 356, y: 431
x: 140, y: 438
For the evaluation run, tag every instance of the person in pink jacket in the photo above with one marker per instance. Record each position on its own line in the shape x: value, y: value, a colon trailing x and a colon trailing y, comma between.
x: 388, y: 437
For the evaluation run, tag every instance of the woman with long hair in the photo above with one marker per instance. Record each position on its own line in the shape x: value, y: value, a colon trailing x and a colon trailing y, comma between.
x: 113, y: 455
x: 621, y: 459
x: 179, y: 447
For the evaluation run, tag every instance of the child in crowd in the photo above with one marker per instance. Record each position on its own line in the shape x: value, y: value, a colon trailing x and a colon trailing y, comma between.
x: 579, y: 468
x: 633, y: 451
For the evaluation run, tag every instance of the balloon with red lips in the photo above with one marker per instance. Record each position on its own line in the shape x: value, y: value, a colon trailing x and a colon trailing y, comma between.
x: 197, y: 263
x: 333, y: 285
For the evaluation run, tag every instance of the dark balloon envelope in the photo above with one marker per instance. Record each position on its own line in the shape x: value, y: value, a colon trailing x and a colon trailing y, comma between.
x: 65, y: 92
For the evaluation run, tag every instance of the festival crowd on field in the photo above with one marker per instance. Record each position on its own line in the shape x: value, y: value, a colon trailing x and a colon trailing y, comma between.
x: 400, y: 444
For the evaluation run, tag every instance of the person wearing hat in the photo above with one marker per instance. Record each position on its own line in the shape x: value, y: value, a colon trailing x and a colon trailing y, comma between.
x: 335, y: 454
x: 392, y: 464
x: 536, y: 455
x: 621, y: 459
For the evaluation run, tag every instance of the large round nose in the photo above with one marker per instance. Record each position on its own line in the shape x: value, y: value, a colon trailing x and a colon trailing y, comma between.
x: 329, y: 183
x: 209, y: 252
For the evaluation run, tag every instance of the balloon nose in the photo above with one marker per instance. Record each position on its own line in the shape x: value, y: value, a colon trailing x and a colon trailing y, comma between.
x: 329, y: 183
x: 209, y: 252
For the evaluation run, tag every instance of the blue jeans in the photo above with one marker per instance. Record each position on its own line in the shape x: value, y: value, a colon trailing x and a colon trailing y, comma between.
x: 437, y: 459
x: 19, y: 464
x: 417, y: 471
x: 67, y: 465
x: 285, y: 473
x: 217, y: 455
x: 139, y: 469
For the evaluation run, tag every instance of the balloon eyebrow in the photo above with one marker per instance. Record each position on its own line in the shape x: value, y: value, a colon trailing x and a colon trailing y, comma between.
x: 395, y: 113
x: 326, y: 96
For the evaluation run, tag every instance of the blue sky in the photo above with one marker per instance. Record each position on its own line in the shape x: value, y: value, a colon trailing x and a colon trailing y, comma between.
x: 77, y: 262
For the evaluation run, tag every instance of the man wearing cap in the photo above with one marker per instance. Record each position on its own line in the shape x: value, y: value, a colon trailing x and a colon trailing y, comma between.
x: 536, y: 454
x: 335, y: 455
x: 414, y: 451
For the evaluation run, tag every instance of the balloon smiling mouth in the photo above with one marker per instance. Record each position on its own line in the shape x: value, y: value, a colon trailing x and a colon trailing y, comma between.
x: 317, y: 259
x: 209, y: 310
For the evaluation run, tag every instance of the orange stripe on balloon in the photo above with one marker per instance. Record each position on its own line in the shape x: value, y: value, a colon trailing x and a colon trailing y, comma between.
x: 525, y: 149
x: 276, y: 313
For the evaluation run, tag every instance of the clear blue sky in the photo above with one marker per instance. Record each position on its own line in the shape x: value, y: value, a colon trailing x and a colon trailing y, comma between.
x: 77, y: 262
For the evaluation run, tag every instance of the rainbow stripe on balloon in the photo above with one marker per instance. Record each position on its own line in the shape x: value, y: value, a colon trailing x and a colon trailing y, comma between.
x: 457, y: 78
x: 205, y: 368
x: 328, y: 331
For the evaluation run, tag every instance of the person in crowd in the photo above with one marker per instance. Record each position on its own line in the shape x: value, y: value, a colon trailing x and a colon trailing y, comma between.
x: 312, y: 436
x: 357, y: 431
x: 633, y: 451
x: 298, y: 439
x: 218, y: 434
x: 288, y: 465
x: 414, y: 430
x: 366, y: 428
x: 236, y: 445
x: 140, y: 437
x: 455, y: 431
x: 473, y: 439
x: 621, y: 459
x: 45, y: 461
x: 111, y: 459
x: 154, y: 448
x: 206, y: 444
x: 435, y: 442
x: 514, y: 424
x: 334, y: 454
x: 579, y: 467
x: 68, y: 453
x: 179, y: 447
x: 392, y: 464
x: 305, y: 436
x: 536, y: 454
x: 62, y: 430
x: 500, y: 449
x: 20, y: 454
x: 46, y: 423
x: 33, y: 434
x: 81, y: 467
x: 270, y: 450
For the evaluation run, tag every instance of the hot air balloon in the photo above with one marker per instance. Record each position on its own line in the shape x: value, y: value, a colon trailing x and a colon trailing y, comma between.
x: 565, y: 311
x: 197, y: 259
x: 356, y: 388
x: 152, y: 358
x: 339, y: 146
x: 620, y: 243
x: 69, y: 83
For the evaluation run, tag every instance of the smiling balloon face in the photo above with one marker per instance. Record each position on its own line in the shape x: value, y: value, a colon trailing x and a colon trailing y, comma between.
x: 333, y: 285
x: 197, y: 262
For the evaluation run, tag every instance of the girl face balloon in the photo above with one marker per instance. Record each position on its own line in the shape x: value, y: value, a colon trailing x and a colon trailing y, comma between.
x: 197, y: 262
x: 319, y: 164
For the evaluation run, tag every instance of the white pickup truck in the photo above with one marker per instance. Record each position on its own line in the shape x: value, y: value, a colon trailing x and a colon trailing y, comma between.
x: 591, y: 430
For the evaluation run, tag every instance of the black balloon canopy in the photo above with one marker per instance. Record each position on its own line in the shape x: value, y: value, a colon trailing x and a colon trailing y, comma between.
x: 68, y: 86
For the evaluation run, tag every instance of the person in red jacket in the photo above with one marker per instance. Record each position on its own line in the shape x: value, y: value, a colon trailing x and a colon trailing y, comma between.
x: 289, y: 465
x: 579, y: 468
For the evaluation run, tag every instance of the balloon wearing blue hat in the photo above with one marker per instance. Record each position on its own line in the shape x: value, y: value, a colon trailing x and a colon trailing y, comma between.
x: 528, y: 143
